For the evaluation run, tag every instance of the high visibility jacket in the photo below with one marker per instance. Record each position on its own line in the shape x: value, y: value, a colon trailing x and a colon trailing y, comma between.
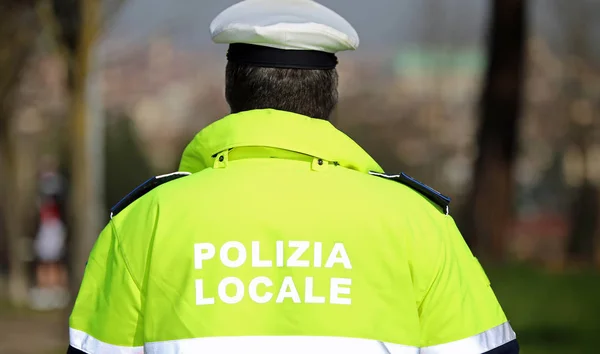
x: 281, y: 235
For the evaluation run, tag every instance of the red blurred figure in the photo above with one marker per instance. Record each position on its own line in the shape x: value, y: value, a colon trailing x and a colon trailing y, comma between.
x: 50, y: 245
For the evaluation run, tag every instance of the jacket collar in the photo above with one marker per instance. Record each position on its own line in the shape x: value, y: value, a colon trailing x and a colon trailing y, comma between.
x: 279, y: 130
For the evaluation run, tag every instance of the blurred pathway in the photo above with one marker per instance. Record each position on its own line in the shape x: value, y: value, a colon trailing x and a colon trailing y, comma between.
x: 29, y: 332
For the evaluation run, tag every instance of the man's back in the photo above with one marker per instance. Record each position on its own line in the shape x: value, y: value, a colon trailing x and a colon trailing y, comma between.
x: 276, y: 240
x: 285, y: 238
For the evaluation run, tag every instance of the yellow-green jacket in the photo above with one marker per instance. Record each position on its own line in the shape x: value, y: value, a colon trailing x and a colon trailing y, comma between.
x: 281, y: 235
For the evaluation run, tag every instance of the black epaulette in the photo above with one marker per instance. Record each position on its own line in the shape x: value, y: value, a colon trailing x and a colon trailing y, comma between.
x: 144, y: 188
x: 430, y: 193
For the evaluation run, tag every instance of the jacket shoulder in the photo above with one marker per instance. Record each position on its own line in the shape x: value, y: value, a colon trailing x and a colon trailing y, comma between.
x: 433, y: 195
x: 143, y: 189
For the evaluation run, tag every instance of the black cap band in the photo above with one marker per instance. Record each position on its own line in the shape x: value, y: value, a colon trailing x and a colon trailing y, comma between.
x: 268, y: 57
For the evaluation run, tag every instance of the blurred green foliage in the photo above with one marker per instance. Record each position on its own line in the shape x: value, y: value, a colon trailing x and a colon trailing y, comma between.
x: 551, y: 313
x: 126, y: 165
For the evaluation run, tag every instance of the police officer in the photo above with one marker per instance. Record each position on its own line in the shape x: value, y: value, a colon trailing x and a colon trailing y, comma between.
x: 279, y: 234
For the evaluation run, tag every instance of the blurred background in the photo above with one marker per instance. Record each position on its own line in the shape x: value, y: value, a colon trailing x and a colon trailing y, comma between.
x: 493, y: 102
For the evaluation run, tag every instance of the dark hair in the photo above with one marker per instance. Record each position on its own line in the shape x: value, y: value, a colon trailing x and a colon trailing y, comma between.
x: 312, y: 93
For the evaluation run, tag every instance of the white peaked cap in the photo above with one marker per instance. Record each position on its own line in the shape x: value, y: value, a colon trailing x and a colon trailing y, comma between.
x: 286, y: 25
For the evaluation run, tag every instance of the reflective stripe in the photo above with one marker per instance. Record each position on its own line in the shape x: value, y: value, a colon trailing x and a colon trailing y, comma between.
x: 478, y: 344
x: 278, y: 345
x: 90, y: 345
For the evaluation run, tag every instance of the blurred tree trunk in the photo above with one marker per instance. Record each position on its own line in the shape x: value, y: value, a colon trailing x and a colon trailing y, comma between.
x: 76, y: 27
x: 489, y: 211
x: 78, y: 24
x: 14, y: 217
x: 18, y: 32
x: 83, y: 203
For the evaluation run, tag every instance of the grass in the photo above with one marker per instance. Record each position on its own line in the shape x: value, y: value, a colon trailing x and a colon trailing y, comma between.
x: 551, y: 313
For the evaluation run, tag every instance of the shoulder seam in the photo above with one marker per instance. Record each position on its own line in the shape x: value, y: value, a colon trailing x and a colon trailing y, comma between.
x: 440, y: 260
x: 125, y: 260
